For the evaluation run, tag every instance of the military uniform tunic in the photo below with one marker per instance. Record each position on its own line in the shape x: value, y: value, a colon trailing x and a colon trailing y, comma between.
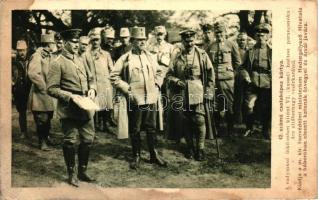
x: 258, y: 95
x: 163, y: 53
x: 101, y: 64
x: 225, y: 58
x: 195, y: 69
x: 69, y: 75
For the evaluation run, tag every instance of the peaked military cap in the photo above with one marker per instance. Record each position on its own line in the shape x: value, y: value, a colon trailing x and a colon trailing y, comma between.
x: 187, y: 32
x: 263, y: 28
x: 71, y: 34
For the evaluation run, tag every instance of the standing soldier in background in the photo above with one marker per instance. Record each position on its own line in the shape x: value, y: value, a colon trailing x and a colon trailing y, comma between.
x: 207, y: 35
x: 83, y: 45
x: 226, y: 59
x: 100, y: 65
x: 137, y: 75
x: 42, y: 104
x: 240, y: 84
x: 192, y: 76
x: 257, y: 67
x: 125, y: 43
x: 68, y: 79
x: 242, y: 44
x: 107, y: 42
x: 162, y: 51
x: 21, y: 84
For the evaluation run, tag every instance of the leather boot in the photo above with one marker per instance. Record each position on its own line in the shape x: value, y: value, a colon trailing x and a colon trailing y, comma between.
x: 200, y: 155
x: 135, y: 144
x: 109, y: 118
x: 190, y: 151
x: 154, y: 156
x: 69, y: 157
x: 83, y: 155
x: 249, y: 125
x: 41, y: 131
x: 230, y: 124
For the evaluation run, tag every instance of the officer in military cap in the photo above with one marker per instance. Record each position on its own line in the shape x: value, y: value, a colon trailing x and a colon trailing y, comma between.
x: 207, y: 35
x: 68, y: 79
x: 125, y: 46
x: 257, y: 67
x: 226, y: 59
x: 41, y: 103
x: 83, y: 45
x: 21, y: 84
x: 191, y: 76
x: 137, y: 75
x: 108, y: 36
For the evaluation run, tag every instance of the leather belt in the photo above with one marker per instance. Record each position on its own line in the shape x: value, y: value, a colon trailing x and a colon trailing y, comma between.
x: 84, y: 93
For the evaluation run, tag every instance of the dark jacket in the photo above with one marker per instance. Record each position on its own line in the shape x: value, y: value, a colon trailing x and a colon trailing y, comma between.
x: 260, y: 77
x: 69, y: 75
x: 20, y: 82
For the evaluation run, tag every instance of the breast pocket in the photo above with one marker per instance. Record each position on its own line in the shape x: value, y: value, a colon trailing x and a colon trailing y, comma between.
x: 135, y: 75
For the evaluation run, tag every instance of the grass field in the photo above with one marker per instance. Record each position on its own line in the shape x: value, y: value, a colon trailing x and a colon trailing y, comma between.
x: 245, y: 163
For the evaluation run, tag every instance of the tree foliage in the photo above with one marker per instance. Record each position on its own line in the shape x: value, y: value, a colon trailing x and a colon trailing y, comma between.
x: 29, y: 24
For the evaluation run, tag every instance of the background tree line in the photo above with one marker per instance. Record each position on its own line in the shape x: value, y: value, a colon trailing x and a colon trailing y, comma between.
x: 29, y: 24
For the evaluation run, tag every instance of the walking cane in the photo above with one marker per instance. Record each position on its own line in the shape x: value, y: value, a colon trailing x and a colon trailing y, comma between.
x: 211, y: 126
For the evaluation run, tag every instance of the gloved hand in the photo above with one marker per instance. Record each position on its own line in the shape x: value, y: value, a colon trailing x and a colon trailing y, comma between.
x: 91, y: 94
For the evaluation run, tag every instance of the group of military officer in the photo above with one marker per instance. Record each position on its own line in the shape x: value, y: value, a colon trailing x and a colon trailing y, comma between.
x: 199, y: 84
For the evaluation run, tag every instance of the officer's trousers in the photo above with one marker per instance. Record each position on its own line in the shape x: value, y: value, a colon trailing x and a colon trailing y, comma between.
x: 258, y: 102
x: 72, y: 128
x: 43, y: 123
x: 196, y: 128
x: 224, y: 103
x: 20, y: 102
x: 142, y: 117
